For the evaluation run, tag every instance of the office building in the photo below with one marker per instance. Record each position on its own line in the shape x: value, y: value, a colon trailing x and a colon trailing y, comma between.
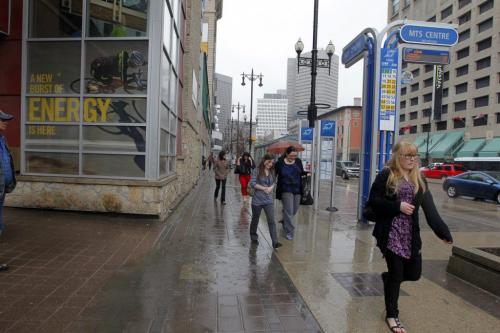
x: 272, y: 115
x: 223, y: 90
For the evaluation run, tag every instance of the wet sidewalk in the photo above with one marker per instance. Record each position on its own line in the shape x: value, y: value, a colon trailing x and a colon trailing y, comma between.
x: 196, y: 273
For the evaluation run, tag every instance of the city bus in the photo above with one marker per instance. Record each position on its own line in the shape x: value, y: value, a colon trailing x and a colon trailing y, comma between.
x: 479, y: 163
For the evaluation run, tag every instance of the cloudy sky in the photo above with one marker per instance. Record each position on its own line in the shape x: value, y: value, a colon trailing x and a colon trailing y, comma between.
x: 262, y: 34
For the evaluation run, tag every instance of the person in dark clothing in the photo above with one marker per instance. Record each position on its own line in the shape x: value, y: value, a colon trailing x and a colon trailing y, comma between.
x: 289, y: 170
x: 245, y: 165
x: 263, y: 183
x: 210, y: 161
x: 221, y: 170
x: 396, y: 195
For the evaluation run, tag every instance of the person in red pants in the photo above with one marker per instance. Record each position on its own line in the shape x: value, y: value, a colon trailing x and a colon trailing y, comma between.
x: 245, y: 164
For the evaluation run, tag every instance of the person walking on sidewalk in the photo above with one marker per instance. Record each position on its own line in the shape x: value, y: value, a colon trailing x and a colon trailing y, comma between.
x: 289, y: 170
x: 397, y: 193
x: 221, y: 170
x: 7, y: 173
x: 244, y: 166
x: 263, y: 182
x: 210, y: 161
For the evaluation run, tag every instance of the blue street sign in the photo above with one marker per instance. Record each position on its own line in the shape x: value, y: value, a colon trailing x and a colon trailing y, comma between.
x: 421, y: 34
x: 354, y: 50
x: 328, y: 128
x: 306, y: 134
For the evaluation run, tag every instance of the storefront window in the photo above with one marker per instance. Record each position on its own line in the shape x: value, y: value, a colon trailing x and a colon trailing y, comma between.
x: 113, y: 165
x: 110, y: 18
x: 52, y: 163
x: 53, y: 68
x: 116, y: 67
x: 167, y: 29
x: 114, y: 110
x: 52, y: 137
x: 165, y: 78
x: 55, y: 18
x: 114, y: 138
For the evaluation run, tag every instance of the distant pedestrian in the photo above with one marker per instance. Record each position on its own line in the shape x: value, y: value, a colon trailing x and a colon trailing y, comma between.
x: 7, y: 173
x: 203, y: 162
x: 395, y: 198
x: 221, y: 170
x: 263, y: 183
x: 289, y: 170
x: 210, y: 161
x: 245, y: 165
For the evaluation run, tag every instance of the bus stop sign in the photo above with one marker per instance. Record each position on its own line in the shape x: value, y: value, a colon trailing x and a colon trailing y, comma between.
x: 431, y: 35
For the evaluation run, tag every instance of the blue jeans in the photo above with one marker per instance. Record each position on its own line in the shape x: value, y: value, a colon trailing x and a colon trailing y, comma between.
x: 291, y: 204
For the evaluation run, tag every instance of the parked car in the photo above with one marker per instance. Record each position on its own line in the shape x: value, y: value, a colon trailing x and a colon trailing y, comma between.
x: 347, y: 169
x: 443, y: 171
x: 430, y: 166
x: 476, y: 184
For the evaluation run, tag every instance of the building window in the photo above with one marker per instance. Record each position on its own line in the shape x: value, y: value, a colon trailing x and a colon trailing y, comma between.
x: 128, y: 20
x: 403, y: 91
x: 413, y: 115
x: 483, y: 82
x: 427, y: 97
x: 402, y: 131
x: 426, y: 112
x: 402, y: 104
x: 429, y: 68
x: 402, y: 117
x: 404, y: 65
x: 446, y: 12
x: 498, y: 117
x: 395, y: 7
x: 428, y: 82
x: 485, y: 6
x: 461, y: 88
x: 426, y: 128
x: 432, y: 19
x: 483, y: 63
x: 413, y: 129
x: 444, y: 109
x: 459, y: 122
x: 416, y: 72
x: 482, y: 101
x: 484, y: 44
x: 463, y: 3
x: 441, y: 125
x: 464, y: 35
x: 464, y: 18
x: 407, y: 3
x: 464, y: 70
x: 445, y: 92
x: 480, y: 120
x: 485, y: 25
x: 67, y: 22
x: 446, y: 76
x: 460, y: 106
x: 463, y: 53
x: 498, y: 98
x: 414, y: 101
x: 414, y: 87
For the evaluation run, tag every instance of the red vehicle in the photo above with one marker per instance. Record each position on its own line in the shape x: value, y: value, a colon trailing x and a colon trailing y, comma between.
x: 443, y: 171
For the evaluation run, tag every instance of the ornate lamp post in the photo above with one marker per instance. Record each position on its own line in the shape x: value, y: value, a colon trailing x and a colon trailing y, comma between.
x: 314, y: 63
x: 252, y: 78
x: 238, y: 107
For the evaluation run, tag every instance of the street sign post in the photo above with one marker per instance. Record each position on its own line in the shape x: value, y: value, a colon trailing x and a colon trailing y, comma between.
x: 428, y: 34
x: 354, y: 51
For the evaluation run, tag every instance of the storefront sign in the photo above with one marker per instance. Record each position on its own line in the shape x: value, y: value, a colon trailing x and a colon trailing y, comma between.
x: 67, y: 109
x: 438, y: 92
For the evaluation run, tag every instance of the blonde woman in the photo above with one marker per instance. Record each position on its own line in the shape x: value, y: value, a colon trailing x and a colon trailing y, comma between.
x: 395, y: 197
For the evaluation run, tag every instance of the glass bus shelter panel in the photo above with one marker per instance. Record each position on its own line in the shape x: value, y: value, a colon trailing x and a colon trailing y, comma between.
x: 55, y: 19
x: 110, y: 18
x: 53, y: 68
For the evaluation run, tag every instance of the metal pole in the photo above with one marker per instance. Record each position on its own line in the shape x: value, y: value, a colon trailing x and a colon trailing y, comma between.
x: 238, y: 132
x: 427, y: 143
x: 231, y: 137
x: 317, y: 169
x: 333, y: 175
x: 314, y: 55
x: 251, y: 108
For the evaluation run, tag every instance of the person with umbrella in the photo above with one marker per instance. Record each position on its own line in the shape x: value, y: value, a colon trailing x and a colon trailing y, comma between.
x: 289, y: 171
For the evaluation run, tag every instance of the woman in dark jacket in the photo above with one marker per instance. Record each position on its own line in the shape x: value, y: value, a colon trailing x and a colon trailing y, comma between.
x: 289, y: 170
x: 245, y: 165
x: 395, y: 197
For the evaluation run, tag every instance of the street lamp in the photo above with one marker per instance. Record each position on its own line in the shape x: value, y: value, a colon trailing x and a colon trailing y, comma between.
x: 238, y: 107
x: 252, y: 78
x: 314, y: 63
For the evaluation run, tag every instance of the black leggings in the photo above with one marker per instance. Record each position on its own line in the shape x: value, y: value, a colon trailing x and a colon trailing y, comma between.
x: 399, y: 270
x: 218, y: 183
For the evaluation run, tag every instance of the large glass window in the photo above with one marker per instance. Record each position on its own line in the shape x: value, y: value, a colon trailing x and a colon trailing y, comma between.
x: 55, y: 18
x: 110, y: 18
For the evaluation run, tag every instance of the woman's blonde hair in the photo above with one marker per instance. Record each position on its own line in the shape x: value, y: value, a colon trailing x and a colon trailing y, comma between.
x: 402, y: 148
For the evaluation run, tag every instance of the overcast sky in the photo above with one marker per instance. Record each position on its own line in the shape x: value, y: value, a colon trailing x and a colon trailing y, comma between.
x: 262, y: 34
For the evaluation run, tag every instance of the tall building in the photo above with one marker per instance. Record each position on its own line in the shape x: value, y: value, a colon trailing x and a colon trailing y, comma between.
x: 299, y: 85
x: 223, y: 91
x: 471, y: 88
x: 272, y: 115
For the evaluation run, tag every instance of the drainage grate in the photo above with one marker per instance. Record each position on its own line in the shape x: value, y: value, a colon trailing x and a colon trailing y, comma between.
x: 362, y: 284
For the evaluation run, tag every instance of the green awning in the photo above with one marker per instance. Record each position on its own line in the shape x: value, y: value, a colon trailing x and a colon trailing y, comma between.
x: 446, y: 146
x: 491, y: 148
x: 420, y: 140
x: 434, y: 139
x: 470, y: 148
